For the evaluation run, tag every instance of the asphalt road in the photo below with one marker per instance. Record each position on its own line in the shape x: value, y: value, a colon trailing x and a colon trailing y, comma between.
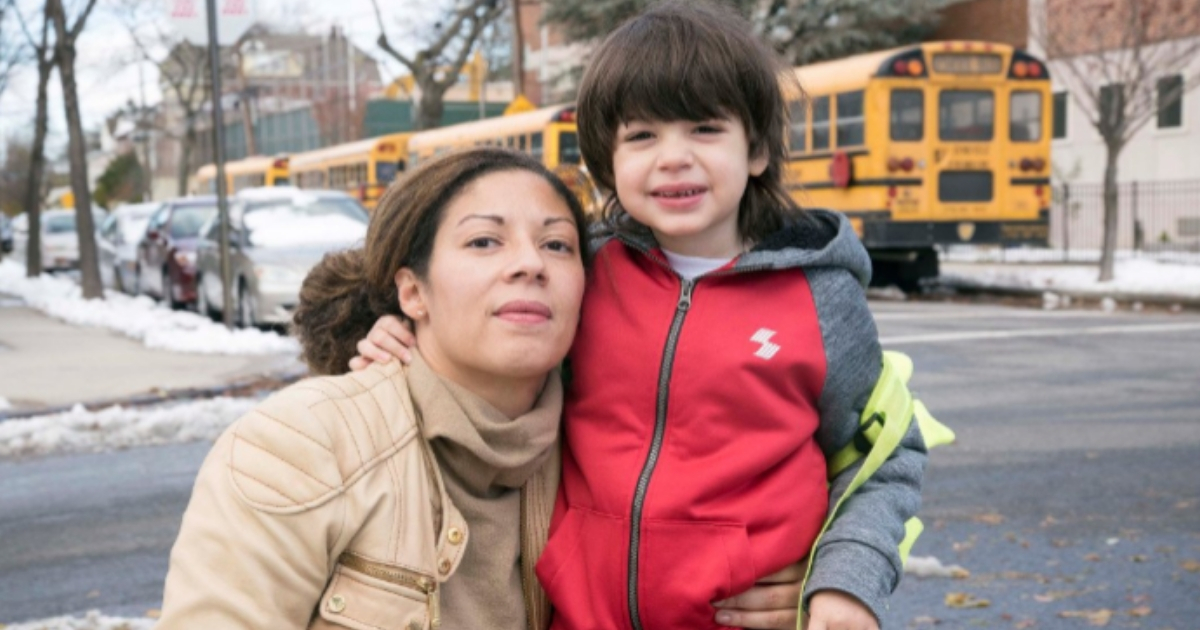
x: 1072, y: 497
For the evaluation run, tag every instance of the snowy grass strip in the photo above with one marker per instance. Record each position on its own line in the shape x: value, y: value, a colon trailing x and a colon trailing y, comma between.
x: 93, y: 620
x: 138, y: 317
x: 114, y: 428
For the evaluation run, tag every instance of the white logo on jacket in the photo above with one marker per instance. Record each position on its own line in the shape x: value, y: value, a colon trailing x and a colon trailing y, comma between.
x: 768, y: 349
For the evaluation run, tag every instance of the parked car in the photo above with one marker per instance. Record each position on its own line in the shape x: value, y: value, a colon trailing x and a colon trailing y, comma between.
x: 59, y: 240
x: 166, y: 253
x: 276, y: 236
x: 119, y: 237
x: 6, y: 234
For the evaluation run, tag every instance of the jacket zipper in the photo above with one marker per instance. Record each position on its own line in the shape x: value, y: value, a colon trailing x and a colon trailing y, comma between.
x: 401, y: 577
x: 660, y: 426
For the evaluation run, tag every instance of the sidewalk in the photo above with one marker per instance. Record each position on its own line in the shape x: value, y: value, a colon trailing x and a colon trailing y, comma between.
x: 47, y: 364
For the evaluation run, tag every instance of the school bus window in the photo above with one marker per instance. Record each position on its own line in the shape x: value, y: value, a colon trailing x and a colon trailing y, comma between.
x: 1025, y: 117
x: 281, y: 181
x: 385, y: 172
x: 820, y: 123
x: 798, y: 136
x: 568, y: 148
x: 908, y: 115
x: 850, y: 119
x: 966, y: 115
x: 535, y: 144
x: 521, y: 143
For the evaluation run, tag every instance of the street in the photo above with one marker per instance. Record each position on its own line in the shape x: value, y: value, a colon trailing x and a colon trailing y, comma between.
x: 1071, y: 497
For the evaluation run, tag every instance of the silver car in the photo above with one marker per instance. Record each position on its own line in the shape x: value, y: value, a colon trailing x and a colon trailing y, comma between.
x: 119, y: 236
x: 60, y: 240
x: 276, y: 236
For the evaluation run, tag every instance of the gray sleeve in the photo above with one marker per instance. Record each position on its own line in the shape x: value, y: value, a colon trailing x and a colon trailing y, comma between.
x: 859, y: 553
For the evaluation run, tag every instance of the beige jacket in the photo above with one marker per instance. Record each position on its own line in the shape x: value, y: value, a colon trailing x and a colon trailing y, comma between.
x: 318, y: 510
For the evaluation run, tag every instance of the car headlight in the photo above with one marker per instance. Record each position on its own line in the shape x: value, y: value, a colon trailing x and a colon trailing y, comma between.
x: 185, y: 259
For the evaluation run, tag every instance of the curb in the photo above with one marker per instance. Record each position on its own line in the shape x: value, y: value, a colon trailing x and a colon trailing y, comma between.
x: 1123, y: 297
x: 242, y: 387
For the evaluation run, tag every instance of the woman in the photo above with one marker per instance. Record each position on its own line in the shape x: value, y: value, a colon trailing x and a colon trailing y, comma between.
x: 405, y: 496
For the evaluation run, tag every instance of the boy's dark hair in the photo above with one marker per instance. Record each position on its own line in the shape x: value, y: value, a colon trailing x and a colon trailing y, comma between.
x: 692, y: 61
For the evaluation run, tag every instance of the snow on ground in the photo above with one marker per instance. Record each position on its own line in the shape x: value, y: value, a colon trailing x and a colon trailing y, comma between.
x: 113, y: 428
x: 1134, y: 278
x: 138, y: 317
x: 92, y: 621
x: 977, y: 253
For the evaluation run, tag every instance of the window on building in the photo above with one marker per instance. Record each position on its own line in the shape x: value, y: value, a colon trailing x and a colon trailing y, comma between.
x: 1170, y: 102
x: 1059, y: 130
x: 820, y: 123
x: 850, y: 119
x: 1112, y: 105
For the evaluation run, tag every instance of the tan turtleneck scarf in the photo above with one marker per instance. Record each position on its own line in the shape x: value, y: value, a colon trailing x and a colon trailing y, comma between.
x: 485, y: 457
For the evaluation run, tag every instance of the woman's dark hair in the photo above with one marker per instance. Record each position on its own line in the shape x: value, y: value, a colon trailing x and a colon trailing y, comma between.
x: 692, y: 61
x: 348, y: 291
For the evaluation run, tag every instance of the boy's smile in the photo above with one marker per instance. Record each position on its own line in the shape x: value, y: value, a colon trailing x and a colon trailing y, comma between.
x: 684, y: 180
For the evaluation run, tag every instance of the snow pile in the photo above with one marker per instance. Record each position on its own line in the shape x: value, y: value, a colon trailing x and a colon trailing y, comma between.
x: 285, y: 227
x: 113, y: 428
x: 92, y: 621
x: 1132, y: 277
x: 981, y: 253
x: 138, y: 317
x: 931, y: 567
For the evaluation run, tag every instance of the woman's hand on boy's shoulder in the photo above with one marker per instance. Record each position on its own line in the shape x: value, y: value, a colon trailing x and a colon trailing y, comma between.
x: 771, y: 604
x: 388, y: 339
x: 835, y: 610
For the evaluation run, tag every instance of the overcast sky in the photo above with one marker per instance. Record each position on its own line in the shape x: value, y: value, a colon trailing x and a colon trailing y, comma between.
x: 110, y: 74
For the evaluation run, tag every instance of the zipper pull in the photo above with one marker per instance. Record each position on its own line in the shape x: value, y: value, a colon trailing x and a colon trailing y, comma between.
x: 685, y: 297
x: 435, y: 608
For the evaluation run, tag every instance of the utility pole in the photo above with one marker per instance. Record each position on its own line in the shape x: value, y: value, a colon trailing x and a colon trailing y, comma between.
x: 214, y: 60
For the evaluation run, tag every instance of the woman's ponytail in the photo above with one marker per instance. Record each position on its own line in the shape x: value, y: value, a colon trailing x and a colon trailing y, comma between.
x: 337, y: 308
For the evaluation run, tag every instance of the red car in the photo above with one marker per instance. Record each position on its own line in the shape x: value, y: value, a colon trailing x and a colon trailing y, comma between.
x: 166, y: 254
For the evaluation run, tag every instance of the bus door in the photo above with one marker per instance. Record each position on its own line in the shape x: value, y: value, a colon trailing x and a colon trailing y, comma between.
x: 962, y: 179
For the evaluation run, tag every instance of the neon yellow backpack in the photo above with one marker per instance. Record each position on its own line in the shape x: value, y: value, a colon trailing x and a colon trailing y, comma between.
x: 885, y: 419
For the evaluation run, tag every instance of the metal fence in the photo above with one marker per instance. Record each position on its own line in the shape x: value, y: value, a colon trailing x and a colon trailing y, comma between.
x: 1159, y: 216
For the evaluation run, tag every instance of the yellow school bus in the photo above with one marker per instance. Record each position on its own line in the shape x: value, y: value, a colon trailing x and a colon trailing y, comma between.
x: 244, y: 173
x: 362, y: 169
x: 912, y: 144
x: 549, y: 134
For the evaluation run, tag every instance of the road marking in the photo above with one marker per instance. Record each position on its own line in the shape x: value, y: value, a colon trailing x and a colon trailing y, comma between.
x: 981, y: 335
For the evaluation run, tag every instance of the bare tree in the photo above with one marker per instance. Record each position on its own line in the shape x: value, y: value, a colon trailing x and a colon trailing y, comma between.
x: 46, y: 56
x: 13, y: 52
x: 1113, y: 57
x: 436, y: 66
x: 65, y: 38
x: 183, y: 76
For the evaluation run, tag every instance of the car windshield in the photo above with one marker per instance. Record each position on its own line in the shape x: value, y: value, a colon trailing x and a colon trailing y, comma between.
x: 60, y: 223
x: 289, y: 223
x: 187, y: 220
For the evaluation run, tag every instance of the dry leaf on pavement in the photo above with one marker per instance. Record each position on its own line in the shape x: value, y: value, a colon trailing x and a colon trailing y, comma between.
x: 1094, y: 617
x: 965, y: 600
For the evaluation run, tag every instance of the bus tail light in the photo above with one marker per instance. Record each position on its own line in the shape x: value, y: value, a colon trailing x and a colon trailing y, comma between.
x: 891, y: 192
x: 1037, y: 190
x: 386, y: 147
x: 893, y: 165
x: 1035, y: 69
x: 906, y: 164
x: 1039, y: 164
x: 1020, y: 69
x: 280, y: 163
x: 1026, y: 164
x: 915, y: 68
x: 565, y: 116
